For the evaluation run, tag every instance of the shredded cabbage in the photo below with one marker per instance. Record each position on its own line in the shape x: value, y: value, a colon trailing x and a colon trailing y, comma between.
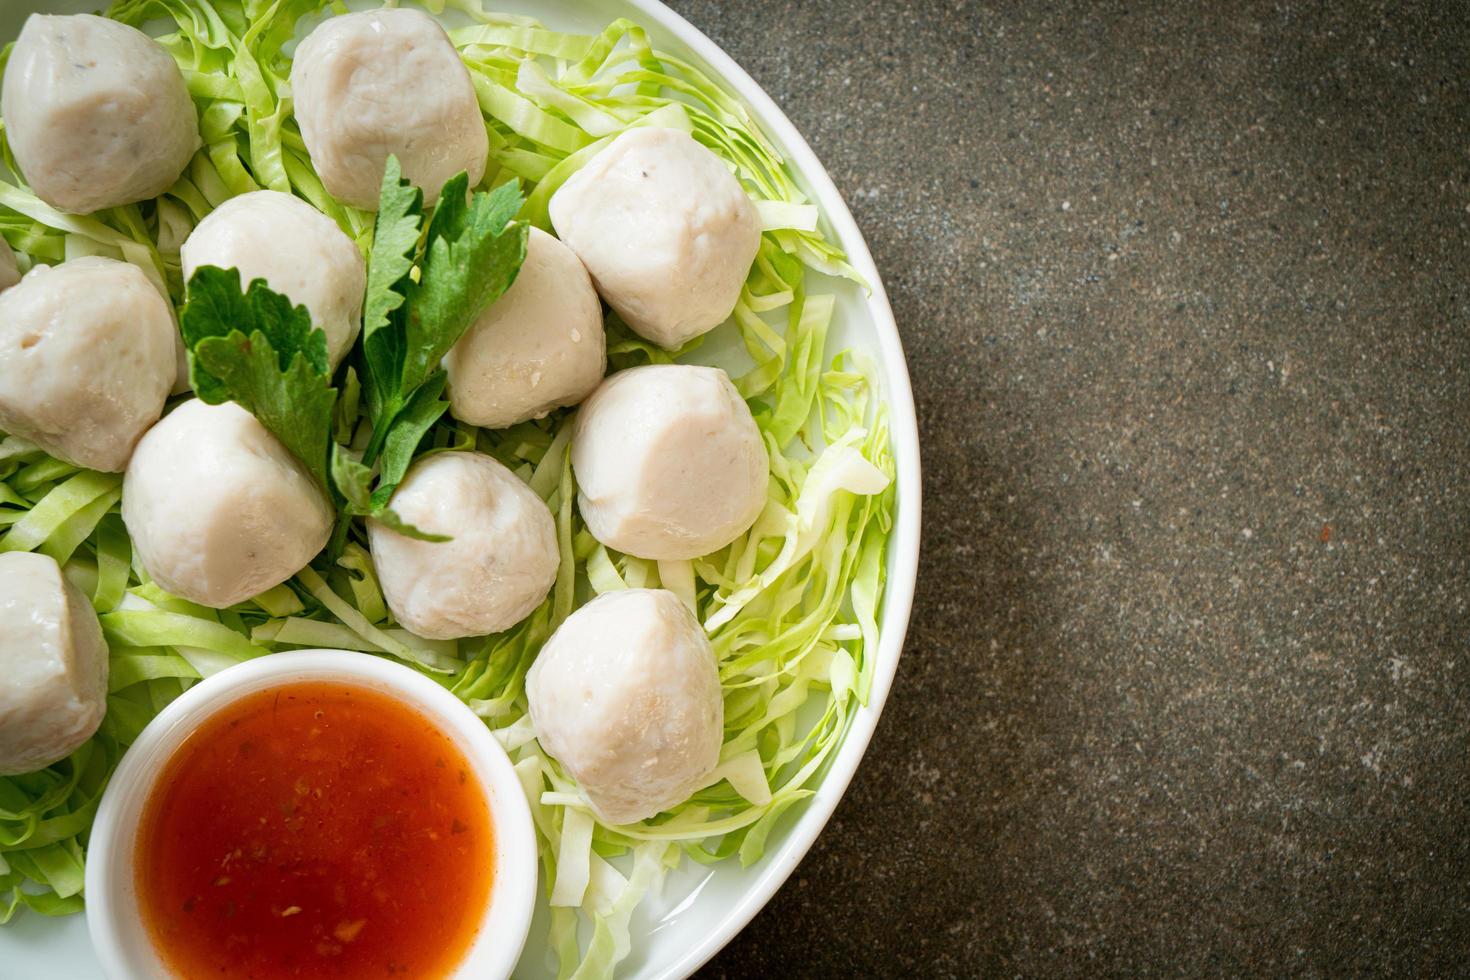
x: 792, y: 607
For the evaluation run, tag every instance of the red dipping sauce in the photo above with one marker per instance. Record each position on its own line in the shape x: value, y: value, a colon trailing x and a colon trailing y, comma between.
x: 315, y: 830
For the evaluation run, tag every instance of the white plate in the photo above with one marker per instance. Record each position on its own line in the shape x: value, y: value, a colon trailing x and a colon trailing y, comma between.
x: 700, y: 909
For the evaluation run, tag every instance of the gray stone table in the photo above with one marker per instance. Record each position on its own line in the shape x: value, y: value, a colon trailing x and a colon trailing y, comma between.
x: 1186, y: 298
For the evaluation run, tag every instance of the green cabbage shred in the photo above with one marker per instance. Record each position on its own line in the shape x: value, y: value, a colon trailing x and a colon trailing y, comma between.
x: 792, y: 607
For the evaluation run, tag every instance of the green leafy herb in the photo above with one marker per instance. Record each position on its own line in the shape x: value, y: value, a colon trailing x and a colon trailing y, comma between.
x: 473, y: 255
x: 390, y: 266
x: 344, y: 422
x: 354, y: 482
x: 425, y: 407
x: 257, y: 349
x: 420, y: 301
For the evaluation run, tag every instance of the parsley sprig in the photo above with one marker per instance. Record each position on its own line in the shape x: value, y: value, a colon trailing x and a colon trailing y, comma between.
x: 426, y: 286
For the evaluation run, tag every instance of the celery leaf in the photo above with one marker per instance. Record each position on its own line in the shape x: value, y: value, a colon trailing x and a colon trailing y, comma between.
x: 257, y: 349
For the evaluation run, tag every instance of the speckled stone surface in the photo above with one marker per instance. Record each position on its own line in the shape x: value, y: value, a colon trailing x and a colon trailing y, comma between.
x: 1186, y: 297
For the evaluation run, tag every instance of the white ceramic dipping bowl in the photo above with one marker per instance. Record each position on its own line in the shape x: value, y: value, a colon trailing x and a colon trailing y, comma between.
x: 123, y: 943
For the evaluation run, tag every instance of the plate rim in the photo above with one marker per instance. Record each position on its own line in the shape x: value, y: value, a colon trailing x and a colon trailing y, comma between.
x: 780, y: 861
x: 903, y: 427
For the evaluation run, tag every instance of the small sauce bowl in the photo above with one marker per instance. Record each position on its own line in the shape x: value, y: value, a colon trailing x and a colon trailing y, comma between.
x: 122, y: 940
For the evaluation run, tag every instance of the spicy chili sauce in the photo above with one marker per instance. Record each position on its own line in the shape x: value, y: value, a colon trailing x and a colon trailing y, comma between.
x: 315, y: 830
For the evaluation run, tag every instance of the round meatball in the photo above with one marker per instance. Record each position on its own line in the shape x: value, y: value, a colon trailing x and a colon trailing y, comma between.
x: 297, y: 250
x: 383, y: 82
x: 626, y: 696
x: 665, y: 229
x: 218, y: 509
x: 9, y: 271
x: 53, y: 661
x: 669, y: 462
x: 86, y: 360
x: 538, y: 347
x: 498, y: 566
x: 97, y: 113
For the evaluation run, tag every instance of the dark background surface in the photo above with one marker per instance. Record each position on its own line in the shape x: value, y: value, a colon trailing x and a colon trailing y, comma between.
x: 1186, y: 299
